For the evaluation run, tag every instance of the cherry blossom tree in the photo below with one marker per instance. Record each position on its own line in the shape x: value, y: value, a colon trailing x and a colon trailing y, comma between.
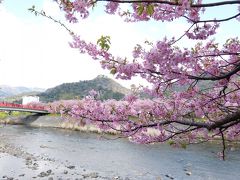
x: 195, y: 91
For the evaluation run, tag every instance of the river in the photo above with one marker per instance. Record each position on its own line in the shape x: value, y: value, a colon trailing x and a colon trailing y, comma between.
x: 48, y: 153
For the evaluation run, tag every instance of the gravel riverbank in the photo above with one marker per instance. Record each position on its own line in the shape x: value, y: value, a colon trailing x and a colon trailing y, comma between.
x: 17, y: 163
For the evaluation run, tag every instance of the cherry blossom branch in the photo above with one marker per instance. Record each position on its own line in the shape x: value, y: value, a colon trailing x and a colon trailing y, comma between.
x: 203, y: 21
x: 222, y: 3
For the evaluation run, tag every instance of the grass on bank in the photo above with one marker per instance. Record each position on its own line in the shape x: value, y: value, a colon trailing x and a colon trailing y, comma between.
x: 5, y: 114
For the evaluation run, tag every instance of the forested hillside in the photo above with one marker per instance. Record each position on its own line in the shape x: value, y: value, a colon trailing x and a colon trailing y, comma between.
x: 107, y: 88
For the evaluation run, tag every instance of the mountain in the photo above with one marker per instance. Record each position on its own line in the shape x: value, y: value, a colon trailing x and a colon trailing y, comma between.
x: 8, y: 91
x: 107, y: 88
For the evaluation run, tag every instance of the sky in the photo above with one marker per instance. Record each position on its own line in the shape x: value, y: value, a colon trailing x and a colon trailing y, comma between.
x: 34, y: 52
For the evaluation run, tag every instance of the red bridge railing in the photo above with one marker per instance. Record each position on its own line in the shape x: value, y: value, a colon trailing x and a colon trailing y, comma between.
x: 28, y: 106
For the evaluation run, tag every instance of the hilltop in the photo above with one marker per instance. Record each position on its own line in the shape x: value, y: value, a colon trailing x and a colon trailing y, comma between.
x: 108, y: 89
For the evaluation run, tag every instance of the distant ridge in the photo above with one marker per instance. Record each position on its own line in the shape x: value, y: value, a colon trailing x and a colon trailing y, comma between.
x: 8, y: 91
x: 107, y: 88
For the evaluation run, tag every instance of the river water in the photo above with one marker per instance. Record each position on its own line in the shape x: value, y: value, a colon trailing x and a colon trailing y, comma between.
x: 46, y: 153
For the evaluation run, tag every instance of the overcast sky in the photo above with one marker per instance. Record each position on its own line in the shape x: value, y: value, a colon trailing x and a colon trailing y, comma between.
x: 34, y: 51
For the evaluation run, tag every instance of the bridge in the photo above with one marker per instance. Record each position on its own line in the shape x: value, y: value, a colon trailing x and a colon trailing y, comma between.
x: 32, y: 108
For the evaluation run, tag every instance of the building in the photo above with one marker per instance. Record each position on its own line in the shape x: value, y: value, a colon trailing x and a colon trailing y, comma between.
x: 30, y: 99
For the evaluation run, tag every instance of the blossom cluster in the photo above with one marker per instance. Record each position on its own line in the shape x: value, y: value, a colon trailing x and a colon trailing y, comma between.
x: 150, y: 120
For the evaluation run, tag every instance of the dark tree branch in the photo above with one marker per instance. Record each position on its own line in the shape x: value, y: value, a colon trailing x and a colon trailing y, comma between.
x: 217, y: 20
x: 216, y: 78
x: 214, y: 4
x: 234, y: 117
x: 219, y: 54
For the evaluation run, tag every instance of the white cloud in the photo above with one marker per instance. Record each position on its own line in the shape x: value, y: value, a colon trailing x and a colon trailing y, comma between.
x: 37, y: 53
x: 51, y: 8
x: 124, y: 36
x: 176, y: 28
